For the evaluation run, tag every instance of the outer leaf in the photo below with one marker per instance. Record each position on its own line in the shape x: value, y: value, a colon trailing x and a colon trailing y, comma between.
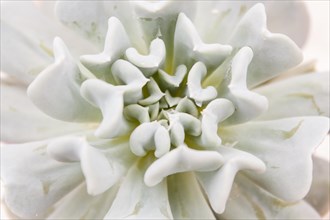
x: 298, y: 96
x: 276, y: 143
x: 248, y: 201
x: 88, y: 207
x: 186, y: 198
x: 135, y: 200
x: 27, y: 31
x: 273, y: 53
x: 90, y: 19
x: 189, y: 47
x: 218, y: 184
x: 215, y: 20
x: 21, y: 121
x: 56, y: 90
x: 116, y: 42
x: 32, y: 181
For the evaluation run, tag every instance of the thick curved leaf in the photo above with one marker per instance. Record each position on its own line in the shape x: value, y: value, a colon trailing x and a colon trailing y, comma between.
x: 135, y: 200
x: 186, y: 198
x: 21, y: 121
x: 273, y: 53
x: 27, y: 31
x: 305, y: 95
x: 32, y: 181
x: 56, y: 91
x: 286, y: 147
x: 248, y: 201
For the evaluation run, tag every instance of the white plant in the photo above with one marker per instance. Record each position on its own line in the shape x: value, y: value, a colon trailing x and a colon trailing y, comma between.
x: 168, y: 121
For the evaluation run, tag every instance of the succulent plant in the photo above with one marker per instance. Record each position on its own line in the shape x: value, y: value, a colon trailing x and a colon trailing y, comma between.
x: 171, y: 119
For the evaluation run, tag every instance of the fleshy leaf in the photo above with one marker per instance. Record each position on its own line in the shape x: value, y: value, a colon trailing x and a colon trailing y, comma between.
x: 88, y: 207
x: 56, y: 90
x: 181, y: 159
x: 187, y: 106
x: 248, y: 201
x: 216, y: 20
x: 175, y: 80
x: 147, y: 136
x: 150, y: 63
x: 189, y: 47
x: 155, y: 94
x: 194, y: 84
x: 21, y: 121
x: 158, y: 19
x: 89, y: 18
x: 273, y: 53
x: 110, y: 99
x: 99, y: 173
x: 135, y: 200
x: 28, y: 29
x: 218, y: 184
x: 305, y: 95
x: 116, y: 43
x: 248, y: 104
x: 215, y: 112
x: 186, y: 198
x: 135, y: 111
x: 33, y: 182
x: 276, y: 143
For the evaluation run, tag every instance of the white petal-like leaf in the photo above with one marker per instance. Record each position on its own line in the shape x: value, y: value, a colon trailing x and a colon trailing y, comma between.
x: 28, y: 29
x: 181, y: 159
x: 89, y: 18
x: 87, y: 207
x: 248, y: 201
x: 276, y: 143
x: 188, y: 46
x: 186, y: 198
x: 155, y: 94
x: 135, y: 200
x: 273, y: 53
x: 126, y: 73
x: 150, y: 63
x: 135, y: 111
x: 305, y: 95
x: 110, y: 99
x: 100, y: 174
x: 248, y: 104
x: 33, y: 181
x: 187, y: 106
x: 216, y: 20
x: 148, y: 136
x: 56, y: 90
x: 175, y: 80
x: 194, y: 84
x: 116, y: 42
x: 215, y: 112
x: 21, y: 121
x: 218, y: 184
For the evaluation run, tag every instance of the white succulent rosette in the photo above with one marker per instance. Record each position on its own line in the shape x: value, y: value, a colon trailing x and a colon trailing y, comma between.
x: 168, y: 121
